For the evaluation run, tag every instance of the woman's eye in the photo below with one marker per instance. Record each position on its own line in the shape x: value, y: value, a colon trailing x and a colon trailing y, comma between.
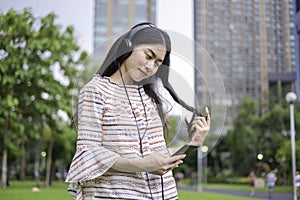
x: 148, y: 57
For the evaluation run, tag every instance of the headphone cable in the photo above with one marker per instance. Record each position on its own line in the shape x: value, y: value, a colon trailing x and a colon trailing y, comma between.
x: 140, y: 138
x: 135, y: 119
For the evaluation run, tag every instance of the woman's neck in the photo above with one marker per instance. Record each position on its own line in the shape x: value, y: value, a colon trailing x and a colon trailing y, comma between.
x: 117, y: 78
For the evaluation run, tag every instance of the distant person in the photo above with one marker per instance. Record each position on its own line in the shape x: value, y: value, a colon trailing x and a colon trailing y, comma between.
x: 252, y: 178
x: 297, y: 183
x: 179, y: 178
x: 194, y: 178
x: 271, y: 180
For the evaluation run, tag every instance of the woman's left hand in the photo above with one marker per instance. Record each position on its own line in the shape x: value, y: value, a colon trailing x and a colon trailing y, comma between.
x: 199, y: 128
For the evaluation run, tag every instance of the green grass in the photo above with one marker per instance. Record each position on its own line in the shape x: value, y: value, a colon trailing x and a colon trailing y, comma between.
x: 58, y: 191
x: 23, y: 190
x: 185, y: 195
x: 242, y: 187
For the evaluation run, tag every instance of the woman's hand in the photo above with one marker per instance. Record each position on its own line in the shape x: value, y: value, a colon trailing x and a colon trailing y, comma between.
x: 199, y: 128
x: 157, y: 163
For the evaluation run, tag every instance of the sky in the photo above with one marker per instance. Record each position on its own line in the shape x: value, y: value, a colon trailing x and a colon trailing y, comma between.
x: 80, y: 13
x: 172, y: 15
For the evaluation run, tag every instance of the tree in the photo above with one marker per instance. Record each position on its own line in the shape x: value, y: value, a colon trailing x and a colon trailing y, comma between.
x: 242, y: 139
x: 273, y: 125
x: 252, y: 134
x: 32, y: 95
x: 283, y: 153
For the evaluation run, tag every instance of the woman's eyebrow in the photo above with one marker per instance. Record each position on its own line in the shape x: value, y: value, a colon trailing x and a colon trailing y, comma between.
x: 153, y: 54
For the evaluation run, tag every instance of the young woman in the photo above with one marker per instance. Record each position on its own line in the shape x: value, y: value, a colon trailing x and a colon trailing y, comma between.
x: 121, y: 149
x: 252, y: 178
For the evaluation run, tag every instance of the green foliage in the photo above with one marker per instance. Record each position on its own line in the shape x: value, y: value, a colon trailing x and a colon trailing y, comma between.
x: 284, y: 158
x: 32, y: 95
x: 252, y: 134
x: 273, y: 124
x: 241, y: 141
x: 172, y: 128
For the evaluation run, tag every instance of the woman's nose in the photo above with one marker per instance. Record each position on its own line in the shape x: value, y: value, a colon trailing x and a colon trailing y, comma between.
x: 150, y: 65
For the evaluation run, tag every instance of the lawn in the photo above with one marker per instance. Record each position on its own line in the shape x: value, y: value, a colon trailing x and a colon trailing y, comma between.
x: 243, y: 187
x: 185, y: 195
x: 23, y: 190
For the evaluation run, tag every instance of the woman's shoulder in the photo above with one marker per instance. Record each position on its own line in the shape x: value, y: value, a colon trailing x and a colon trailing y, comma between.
x: 97, y: 84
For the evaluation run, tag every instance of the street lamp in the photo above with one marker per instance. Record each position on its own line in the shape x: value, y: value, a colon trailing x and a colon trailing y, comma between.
x: 291, y: 98
x: 204, y: 150
x: 200, y: 168
x: 200, y: 154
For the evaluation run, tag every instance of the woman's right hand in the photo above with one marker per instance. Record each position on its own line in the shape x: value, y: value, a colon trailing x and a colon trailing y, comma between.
x: 199, y: 128
x: 159, y: 164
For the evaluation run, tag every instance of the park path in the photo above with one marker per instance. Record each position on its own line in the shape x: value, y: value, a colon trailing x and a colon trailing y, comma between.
x: 257, y: 195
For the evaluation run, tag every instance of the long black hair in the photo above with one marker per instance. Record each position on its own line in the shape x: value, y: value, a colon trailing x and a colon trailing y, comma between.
x: 148, y: 35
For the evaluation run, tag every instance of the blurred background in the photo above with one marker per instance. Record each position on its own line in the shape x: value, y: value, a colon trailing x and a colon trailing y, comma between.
x: 251, y: 48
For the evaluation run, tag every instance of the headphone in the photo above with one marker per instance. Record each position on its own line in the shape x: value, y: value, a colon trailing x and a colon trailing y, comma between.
x: 125, y: 47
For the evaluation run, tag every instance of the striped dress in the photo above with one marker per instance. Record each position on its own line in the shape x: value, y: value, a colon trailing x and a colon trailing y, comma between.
x: 107, y: 131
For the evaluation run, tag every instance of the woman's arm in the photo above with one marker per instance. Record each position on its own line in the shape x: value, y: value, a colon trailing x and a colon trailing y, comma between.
x: 91, y: 159
x: 156, y: 163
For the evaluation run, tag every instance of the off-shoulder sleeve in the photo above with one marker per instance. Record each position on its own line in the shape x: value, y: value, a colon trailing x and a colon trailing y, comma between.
x: 91, y: 159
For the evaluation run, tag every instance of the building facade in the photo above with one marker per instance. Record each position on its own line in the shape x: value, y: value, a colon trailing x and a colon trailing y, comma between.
x: 297, y: 46
x: 253, y: 45
x: 113, y: 17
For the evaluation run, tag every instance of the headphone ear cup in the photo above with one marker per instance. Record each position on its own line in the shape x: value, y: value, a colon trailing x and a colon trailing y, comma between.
x: 128, y: 45
x: 124, y: 49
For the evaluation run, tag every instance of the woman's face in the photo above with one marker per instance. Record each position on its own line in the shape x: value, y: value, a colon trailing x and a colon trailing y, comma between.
x: 143, y: 62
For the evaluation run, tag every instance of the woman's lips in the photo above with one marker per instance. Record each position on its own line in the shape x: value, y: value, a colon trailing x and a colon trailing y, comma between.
x: 144, y: 74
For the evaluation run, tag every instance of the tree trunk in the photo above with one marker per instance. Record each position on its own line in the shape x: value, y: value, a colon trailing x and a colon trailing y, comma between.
x: 4, y: 155
x: 23, y: 161
x: 37, y: 162
x: 216, y: 166
x: 214, y: 156
x: 49, y: 163
x: 61, y: 169
x: 4, y: 166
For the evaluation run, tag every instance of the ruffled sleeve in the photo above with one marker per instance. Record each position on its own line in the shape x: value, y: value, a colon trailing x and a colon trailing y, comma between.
x: 91, y: 159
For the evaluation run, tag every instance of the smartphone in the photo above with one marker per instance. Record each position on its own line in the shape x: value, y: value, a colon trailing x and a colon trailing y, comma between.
x: 185, y: 149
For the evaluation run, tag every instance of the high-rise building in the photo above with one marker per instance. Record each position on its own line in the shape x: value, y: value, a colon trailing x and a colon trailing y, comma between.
x: 116, y: 16
x: 297, y: 46
x: 253, y: 45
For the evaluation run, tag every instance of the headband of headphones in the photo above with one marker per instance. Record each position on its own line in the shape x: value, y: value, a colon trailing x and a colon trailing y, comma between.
x: 139, y: 27
x: 125, y: 47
